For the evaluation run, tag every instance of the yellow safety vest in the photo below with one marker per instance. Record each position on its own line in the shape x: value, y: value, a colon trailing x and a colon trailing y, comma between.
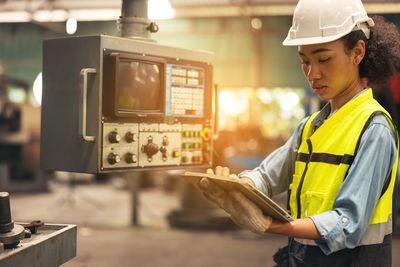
x: 324, y: 157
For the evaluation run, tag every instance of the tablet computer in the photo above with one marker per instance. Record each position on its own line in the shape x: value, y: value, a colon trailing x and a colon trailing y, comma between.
x: 266, y: 204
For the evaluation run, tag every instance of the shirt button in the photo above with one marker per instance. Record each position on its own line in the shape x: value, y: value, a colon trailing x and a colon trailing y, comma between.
x: 344, y: 220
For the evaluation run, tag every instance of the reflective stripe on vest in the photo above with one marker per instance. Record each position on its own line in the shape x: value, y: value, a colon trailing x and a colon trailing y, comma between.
x: 324, y: 157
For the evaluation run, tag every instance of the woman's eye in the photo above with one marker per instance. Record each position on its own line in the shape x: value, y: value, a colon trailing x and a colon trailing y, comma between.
x: 305, y: 63
x: 323, y: 60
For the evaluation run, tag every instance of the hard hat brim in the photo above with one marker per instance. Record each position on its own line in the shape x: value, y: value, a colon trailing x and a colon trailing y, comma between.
x: 310, y: 40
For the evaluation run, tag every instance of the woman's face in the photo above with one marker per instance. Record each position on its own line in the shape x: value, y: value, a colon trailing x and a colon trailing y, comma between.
x: 332, y: 73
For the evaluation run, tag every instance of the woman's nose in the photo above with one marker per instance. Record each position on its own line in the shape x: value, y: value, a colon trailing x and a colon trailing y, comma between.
x: 314, y: 73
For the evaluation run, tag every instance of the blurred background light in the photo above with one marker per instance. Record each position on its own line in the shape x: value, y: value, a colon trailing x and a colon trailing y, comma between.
x: 37, y: 89
x: 264, y: 95
x: 15, y: 16
x: 102, y: 14
x: 60, y: 15
x: 256, y: 23
x: 160, y: 9
x: 50, y: 15
x: 17, y: 95
x: 289, y: 100
x: 233, y: 103
x: 71, y: 25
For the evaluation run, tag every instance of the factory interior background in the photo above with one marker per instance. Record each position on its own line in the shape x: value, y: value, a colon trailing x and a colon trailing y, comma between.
x: 155, y: 218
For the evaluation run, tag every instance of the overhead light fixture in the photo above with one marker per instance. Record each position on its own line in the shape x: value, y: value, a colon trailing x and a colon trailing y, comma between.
x: 95, y: 14
x: 160, y: 9
x: 60, y: 15
x: 55, y: 15
x: 14, y: 16
x: 71, y: 26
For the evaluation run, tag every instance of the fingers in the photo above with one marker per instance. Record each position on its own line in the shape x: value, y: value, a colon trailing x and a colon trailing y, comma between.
x: 247, y: 180
x: 222, y: 171
x: 218, y: 170
x: 225, y: 171
x: 233, y: 177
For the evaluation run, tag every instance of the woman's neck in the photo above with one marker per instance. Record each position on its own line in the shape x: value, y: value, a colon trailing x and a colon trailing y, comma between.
x: 344, y: 97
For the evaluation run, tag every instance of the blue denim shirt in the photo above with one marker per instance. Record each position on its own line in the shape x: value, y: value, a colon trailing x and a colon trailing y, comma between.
x: 344, y: 225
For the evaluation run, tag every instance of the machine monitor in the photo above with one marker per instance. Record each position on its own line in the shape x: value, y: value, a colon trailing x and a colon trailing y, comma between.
x: 137, y: 84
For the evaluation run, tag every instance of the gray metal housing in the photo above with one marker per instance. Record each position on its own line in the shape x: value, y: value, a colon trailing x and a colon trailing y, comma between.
x: 62, y: 147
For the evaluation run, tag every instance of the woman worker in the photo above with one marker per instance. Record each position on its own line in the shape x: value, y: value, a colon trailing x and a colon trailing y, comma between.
x: 340, y: 164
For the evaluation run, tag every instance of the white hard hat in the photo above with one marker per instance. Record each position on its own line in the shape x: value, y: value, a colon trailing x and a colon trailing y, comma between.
x: 321, y: 21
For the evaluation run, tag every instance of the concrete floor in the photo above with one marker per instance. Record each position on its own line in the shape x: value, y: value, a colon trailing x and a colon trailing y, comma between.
x: 105, y: 237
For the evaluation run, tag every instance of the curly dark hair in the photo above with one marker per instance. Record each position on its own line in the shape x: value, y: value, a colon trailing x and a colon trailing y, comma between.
x: 382, y: 51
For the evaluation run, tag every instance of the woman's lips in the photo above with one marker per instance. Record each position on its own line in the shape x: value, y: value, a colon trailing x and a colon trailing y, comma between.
x: 319, y: 89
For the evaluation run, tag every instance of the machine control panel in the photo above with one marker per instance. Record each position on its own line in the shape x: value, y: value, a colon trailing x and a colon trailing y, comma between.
x: 113, y: 104
x: 127, y: 145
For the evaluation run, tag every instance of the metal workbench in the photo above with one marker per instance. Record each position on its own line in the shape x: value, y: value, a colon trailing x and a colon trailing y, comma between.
x: 52, y: 245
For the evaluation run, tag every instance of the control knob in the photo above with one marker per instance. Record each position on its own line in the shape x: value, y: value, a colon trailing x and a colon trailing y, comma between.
x: 163, y: 149
x: 130, y: 137
x: 130, y: 158
x: 113, y: 158
x: 114, y: 137
x: 150, y: 148
x: 165, y: 141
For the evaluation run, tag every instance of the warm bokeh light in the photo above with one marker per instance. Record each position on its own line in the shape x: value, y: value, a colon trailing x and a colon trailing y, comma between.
x: 256, y: 23
x: 264, y: 95
x: 276, y: 111
x: 37, y: 89
x: 71, y: 25
x: 160, y: 9
x: 233, y: 103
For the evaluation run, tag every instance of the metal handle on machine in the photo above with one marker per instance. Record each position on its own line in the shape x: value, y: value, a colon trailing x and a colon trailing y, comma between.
x: 216, y: 109
x: 84, y: 74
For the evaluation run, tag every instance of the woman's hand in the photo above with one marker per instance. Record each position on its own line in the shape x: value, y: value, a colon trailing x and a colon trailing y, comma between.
x: 243, y: 211
x: 224, y: 171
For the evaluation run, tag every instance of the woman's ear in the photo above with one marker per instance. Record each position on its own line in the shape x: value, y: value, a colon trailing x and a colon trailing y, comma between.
x: 358, y: 52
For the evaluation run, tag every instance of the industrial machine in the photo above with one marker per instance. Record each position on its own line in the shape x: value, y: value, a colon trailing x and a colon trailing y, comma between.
x: 121, y: 104
x: 19, y: 139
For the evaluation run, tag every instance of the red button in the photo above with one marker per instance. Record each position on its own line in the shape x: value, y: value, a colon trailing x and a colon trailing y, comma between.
x: 207, y: 134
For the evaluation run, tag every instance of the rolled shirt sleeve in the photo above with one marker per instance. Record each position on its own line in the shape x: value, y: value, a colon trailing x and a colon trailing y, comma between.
x: 345, y: 225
